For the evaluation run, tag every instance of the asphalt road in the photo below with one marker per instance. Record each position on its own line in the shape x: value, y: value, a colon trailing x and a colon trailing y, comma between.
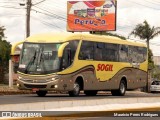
x: 12, y: 99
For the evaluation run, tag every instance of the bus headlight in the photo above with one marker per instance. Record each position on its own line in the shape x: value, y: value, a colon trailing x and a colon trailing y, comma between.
x: 19, y: 77
x: 18, y: 85
x: 56, y: 86
x: 54, y: 79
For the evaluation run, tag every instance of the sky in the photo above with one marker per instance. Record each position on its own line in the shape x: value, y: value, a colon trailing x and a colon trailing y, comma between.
x: 44, y: 18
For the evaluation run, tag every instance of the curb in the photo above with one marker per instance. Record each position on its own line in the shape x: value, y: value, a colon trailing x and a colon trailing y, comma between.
x: 44, y: 106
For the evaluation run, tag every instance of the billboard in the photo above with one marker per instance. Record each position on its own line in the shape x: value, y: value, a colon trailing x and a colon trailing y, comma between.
x: 99, y: 15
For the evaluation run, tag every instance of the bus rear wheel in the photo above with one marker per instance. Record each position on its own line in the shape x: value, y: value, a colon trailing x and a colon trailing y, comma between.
x: 76, y: 90
x: 41, y: 93
x: 90, y: 92
x: 121, y: 91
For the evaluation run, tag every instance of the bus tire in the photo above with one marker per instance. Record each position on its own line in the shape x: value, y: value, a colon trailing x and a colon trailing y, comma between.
x: 153, y: 92
x: 90, y: 92
x: 76, y: 90
x: 41, y: 93
x: 121, y: 91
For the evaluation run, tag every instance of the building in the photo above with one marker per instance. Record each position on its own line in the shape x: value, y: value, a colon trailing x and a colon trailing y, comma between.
x: 156, y: 60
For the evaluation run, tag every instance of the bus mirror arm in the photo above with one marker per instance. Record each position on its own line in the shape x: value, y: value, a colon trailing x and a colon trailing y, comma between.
x: 13, y: 49
x: 61, y: 49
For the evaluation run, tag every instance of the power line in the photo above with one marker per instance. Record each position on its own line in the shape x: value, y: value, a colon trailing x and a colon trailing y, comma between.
x: 130, y: 38
x: 38, y: 3
x: 51, y: 15
x: 49, y: 5
x: 12, y: 7
x: 57, y: 16
x: 46, y: 23
x: 143, y: 5
x: 145, y: 41
x: 9, y: 2
x: 13, y: 15
x: 154, y: 3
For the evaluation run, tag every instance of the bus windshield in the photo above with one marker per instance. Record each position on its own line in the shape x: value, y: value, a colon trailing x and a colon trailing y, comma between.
x: 39, y: 58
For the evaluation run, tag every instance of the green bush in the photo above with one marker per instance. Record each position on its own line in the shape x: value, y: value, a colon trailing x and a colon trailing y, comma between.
x: 5, y: 48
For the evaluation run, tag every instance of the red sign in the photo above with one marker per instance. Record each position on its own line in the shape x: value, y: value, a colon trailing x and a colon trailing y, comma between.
x: 91, y: 15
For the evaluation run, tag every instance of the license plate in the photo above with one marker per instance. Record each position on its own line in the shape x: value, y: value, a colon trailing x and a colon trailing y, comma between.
x: 35, y: 89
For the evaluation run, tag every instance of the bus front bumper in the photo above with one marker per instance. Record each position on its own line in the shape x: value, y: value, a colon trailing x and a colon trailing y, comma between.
x: 39, y: 85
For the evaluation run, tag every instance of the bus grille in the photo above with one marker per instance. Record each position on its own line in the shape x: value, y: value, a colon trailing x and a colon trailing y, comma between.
x: 35, y: 86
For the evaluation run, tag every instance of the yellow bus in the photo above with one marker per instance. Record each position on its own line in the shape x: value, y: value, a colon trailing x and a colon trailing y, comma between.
x: 81, y: 62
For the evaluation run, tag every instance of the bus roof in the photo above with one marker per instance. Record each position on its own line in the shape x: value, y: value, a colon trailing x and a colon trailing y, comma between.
x: 63, y: 37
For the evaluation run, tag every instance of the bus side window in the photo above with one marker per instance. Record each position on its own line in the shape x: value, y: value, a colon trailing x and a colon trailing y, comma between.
x: 110, y: 52
x: 132, y: 54
x: 137, y: 54
x: 69, y: 53
x: 123, y: 53
x: 99, y: 49
x: 86, y: 51
x: 141, y: 56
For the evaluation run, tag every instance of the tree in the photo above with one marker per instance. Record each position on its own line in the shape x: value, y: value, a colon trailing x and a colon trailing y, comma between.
x: 5, y: 48
x: 156, y: 72
x: 145, y: 32
x: 150, y: 60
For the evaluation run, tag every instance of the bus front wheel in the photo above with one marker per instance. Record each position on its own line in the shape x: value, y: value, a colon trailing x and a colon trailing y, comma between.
x: 76, y: 90
x: 121, y: 91
x: 41, y: 93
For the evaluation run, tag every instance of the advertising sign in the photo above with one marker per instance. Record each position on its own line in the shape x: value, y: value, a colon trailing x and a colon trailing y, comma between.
x: 91, y: 15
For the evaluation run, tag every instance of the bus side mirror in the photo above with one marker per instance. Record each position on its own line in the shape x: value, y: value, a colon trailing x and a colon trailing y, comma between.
x: 61, y: 49
x: 14, y: 46
x: 15, y: 67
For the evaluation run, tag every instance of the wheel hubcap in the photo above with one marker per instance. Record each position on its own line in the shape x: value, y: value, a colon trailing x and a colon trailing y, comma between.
x: 122, y: 88
x: 76, y: 88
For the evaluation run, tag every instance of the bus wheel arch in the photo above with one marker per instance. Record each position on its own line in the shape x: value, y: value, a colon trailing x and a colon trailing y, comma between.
x: 78, y: 85
x: 125, y: 80
x: 122, y: 88
x: 79, y: 80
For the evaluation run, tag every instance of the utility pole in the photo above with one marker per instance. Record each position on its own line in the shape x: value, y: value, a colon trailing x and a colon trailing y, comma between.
x: 29, y: 5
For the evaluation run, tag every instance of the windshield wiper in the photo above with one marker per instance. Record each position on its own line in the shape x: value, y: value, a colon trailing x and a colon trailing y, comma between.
x: 31, y: 62
x: 40, y: 56
x: 41, y: 59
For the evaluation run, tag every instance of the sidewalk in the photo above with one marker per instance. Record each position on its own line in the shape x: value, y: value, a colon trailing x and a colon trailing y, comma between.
x: 6, y: 90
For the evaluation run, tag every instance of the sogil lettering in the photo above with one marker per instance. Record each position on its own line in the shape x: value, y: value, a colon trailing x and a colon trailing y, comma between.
x: 105, y: 67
